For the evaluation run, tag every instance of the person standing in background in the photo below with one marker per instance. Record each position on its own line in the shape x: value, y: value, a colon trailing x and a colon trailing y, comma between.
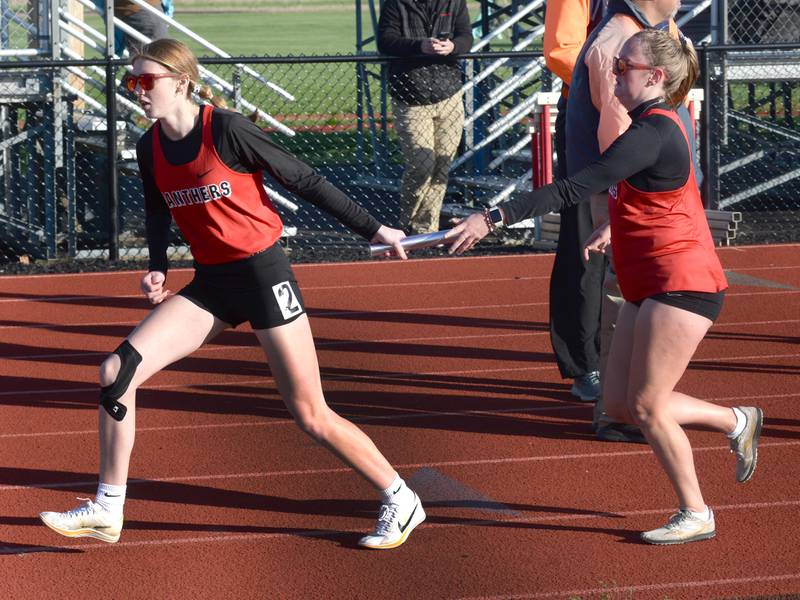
x: 595, y: 119
x: 574, y: 305
x: 425, y: 83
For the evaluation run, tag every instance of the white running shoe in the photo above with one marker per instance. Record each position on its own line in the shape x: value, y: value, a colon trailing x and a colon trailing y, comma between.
x: 395, y: 524
x: 745, y: 445
x: 683, y: 527
x: 88, y: 520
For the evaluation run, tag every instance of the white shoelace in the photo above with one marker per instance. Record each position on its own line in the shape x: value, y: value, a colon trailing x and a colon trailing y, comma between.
x: 84, y: 509
x: 678, y: 518
x: 386, y: 517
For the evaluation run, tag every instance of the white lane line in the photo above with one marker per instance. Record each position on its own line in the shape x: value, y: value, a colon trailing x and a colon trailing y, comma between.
x: 770, y: 293
x: 648, y: 587
x: 90, y: 546
x: 315, y: 314
x: 394, y: 284
x: 538, y: 256
x: 403, y: 414
x: 304, y: 288
x: 337, y: 470
x: 400, y: 377
x: 325, y: 344
x: 383, y: 376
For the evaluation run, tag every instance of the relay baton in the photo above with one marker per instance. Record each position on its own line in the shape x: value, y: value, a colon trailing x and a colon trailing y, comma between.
x: 412, y: 242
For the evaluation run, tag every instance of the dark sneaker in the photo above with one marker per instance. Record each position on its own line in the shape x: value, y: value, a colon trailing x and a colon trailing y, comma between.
x: 620, y: 432
x: 683, y: 527
x: 587, y: 387
x: 745, y: 445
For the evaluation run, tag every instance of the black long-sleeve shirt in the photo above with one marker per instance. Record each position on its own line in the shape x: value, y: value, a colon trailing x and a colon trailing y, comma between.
x: 244, y: 148
x: 417, y: 78
x: 652, y: 155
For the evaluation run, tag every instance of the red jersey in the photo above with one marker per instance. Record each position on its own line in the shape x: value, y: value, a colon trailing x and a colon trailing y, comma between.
x: 661, y: 241
x: 223, y: 214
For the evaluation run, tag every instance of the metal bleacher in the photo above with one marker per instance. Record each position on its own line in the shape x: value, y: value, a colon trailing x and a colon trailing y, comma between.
x: 501, y: 96
x: 46, y: 112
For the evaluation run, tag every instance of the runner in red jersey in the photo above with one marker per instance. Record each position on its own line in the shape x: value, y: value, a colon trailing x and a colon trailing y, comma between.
x: 202, y: 167
x: 668, y: 272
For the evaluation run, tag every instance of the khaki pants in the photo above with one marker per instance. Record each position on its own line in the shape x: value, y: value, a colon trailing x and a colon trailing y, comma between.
x: 429, y: 136
x: 611, y: 303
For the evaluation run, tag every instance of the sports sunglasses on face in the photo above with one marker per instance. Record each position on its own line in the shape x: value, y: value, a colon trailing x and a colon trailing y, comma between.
x: 144, y: 80
x: 620, y: 65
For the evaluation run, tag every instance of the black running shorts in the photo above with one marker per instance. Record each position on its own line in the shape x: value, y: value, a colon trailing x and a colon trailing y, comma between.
x: 705, y: 304
x: 260, y: 289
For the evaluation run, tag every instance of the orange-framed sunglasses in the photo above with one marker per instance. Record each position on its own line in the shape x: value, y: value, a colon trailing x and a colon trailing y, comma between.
x: 144, y: 80
x: 620, y: 65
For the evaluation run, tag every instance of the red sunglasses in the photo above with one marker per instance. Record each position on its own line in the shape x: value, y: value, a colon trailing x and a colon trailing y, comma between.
x: 620, y: 65
x: 144, y: 80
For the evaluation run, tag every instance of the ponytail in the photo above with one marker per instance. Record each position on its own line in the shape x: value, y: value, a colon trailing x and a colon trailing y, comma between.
x: 692, y: 71
x: 677, y: 58
x: 206, y: 93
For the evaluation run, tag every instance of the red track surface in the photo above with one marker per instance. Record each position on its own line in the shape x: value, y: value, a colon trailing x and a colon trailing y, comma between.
x: 447, y: 365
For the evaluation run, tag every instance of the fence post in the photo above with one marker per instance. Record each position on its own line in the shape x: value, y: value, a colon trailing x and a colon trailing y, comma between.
x: 709, y: 146
x: 111, y: 135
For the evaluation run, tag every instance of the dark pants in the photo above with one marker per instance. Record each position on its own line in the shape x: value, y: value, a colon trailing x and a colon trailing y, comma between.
x: 576, y: 286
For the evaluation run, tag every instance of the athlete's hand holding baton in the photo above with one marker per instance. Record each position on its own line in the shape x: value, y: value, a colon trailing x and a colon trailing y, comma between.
x: 412, y: 242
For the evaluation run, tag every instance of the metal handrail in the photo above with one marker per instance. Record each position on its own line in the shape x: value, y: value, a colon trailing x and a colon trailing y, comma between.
x: 208, y: 45
x: 220, y: 83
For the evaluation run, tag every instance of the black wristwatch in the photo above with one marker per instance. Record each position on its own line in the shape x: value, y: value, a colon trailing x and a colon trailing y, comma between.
x: 496, y: 216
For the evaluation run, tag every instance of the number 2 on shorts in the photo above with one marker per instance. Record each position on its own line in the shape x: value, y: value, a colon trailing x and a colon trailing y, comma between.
x: 287, y: 301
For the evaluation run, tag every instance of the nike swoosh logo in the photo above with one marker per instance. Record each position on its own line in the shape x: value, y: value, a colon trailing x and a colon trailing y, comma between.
x: 204, y: 173
x: 398, y: 489
x: 107, y: 495
x: 411, y: 516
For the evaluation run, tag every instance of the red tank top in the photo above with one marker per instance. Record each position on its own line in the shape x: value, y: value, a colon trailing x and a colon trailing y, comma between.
x: 223, y: 214
x: 661, y: 241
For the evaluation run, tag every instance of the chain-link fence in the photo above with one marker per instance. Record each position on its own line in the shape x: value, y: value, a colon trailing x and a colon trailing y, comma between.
x: 763, y: 21
x: 338, y: 114
x: 752, y: 141
x: 21, y: 22
x: 65, y: 192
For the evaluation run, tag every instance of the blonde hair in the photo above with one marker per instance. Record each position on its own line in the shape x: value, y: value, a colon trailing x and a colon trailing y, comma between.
x: 676, y: 57
x: 178, y: 58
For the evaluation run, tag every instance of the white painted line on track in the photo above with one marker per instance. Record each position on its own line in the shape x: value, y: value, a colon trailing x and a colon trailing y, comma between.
x: 605, y: 592
x: 399, y: 377
x: 315, y: 314
x: 770, y: 293
x: 246, y: 537
x: 339, y: 470
x: 304, y: 288
x: 226, y: 348
x: 403, y: 414
x: 745, y: 269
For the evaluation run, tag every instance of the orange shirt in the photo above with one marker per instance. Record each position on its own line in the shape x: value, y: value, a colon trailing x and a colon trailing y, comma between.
x: 565, y: 31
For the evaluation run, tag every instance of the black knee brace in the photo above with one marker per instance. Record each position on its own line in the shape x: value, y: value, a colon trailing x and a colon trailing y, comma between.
x: 129, y: 359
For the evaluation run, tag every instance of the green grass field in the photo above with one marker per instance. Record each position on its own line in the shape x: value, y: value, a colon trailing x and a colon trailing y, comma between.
x: 267, y: 33
x: 276, y: 34
x: 274, y: 27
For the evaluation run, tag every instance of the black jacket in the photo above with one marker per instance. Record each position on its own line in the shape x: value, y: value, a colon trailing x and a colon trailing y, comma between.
x: 416, y: 78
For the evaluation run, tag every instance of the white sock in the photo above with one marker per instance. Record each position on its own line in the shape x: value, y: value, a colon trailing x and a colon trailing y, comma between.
x: 111, y: 497
x: 703, y: 516
x: 741, y: 421
x: 397, y: 492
